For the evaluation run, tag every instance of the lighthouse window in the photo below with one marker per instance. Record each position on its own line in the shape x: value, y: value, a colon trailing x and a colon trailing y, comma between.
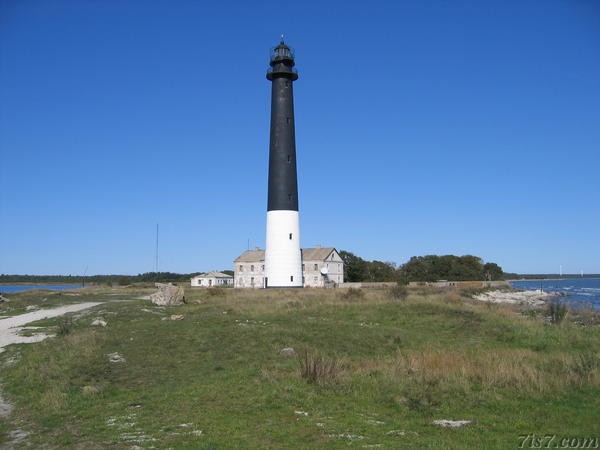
x: 288, y: 120
x: 289, y: 197
x: 251, y: 268
x: 291, y: 277
x: 289, y: 159
x: 316, y: 267
x: 290, y: 236
x: 241, y: 268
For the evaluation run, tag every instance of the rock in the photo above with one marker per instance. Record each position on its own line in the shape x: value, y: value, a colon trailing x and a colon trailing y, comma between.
x: 99, y: 323
x: 30, y: 307
x: 115, y: 358
x: 3, y: 299
x: 167, y: 294
x: 91, y: 389
x: 198, y: 302
x: 288, y: 351
x: 451, y: 423
x: 177, y: 317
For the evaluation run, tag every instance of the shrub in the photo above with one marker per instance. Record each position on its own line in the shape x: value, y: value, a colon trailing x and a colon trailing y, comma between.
x: 318, y: 369
x: 65, y: 326
x: 215, y: 292
x: 557, y: 311
x: 398, y: 292
x: 353, y: 294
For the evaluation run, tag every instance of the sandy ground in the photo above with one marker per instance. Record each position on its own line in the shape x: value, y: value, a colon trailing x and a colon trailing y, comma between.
x: 533, y: 298
x: 10, y: 326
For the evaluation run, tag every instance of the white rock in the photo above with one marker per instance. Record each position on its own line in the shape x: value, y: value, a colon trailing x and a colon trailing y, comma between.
x: 99, y: 323
x: 115, y: 358
x: 451, y: 423
x: 288, y: 351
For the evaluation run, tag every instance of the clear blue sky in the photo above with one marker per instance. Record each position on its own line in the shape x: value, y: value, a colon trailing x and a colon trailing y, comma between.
x: 422, y: 127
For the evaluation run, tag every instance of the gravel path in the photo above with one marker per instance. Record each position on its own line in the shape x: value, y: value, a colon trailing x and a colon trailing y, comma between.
x: 9, y: 326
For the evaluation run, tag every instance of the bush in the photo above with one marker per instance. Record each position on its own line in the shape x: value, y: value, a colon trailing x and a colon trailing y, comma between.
x: 215, y: 292
x: 353, y: 294
x: 319, y: 369
x: 557, y: 311
x: 65, y: 326
x: 398, y: 292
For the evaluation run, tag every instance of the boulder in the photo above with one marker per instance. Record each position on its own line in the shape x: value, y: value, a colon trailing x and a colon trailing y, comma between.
x: 99, y: 323
x: 177, y: 317
x: 288, y: 351
x: 167, y: 294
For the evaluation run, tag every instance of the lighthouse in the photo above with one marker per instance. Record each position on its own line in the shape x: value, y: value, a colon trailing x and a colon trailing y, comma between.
x: 283, y: 260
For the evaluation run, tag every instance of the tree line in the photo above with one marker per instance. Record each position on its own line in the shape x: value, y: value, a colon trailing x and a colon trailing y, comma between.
x: 122, y: 280
x: 420, y: 268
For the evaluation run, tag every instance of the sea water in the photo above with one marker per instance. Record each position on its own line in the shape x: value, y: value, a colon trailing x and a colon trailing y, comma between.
x: 579, y: 291
x: 5, y: 289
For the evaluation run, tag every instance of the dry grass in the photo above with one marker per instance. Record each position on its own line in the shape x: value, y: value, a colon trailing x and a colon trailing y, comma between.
x: 517, y: 369
x: 319, y: 369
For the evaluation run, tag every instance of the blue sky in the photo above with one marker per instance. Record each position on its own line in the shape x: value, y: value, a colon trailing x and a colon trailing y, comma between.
x: 422, y: 127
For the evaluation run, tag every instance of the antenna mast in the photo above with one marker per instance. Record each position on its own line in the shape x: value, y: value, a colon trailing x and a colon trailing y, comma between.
x: 156, y: 253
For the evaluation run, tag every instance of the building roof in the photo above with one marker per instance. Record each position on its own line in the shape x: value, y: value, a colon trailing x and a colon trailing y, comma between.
x: 308, y: 254
x: 255, y: 255
x: 316, y: 254
x: 213, y: 274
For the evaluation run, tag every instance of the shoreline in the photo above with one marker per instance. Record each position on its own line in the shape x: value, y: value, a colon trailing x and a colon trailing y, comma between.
x: 554, y: 279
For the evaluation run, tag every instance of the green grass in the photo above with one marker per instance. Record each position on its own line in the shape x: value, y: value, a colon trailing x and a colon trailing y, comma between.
x: 399, y: 364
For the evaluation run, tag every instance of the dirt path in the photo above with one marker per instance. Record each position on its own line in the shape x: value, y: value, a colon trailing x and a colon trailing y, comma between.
x: 9, y: 326
x: 9, y: 334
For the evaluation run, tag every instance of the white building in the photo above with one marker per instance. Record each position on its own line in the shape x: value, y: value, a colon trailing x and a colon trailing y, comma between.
x: 321, y: 267
x: 212, y: 279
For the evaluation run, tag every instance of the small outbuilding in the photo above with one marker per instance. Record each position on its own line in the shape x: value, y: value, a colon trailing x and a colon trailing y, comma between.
x: 212, y: 279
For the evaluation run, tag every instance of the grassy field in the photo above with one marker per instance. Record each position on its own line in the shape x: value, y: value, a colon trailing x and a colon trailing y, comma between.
x: 373, y: 369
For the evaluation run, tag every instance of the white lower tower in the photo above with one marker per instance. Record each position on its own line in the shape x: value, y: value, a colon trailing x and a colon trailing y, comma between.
x: 283, y: 260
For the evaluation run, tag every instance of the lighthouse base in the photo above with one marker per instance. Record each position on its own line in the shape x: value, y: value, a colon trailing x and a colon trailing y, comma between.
x: 283, y: 260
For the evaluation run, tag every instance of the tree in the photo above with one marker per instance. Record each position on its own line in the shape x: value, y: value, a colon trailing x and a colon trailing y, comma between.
x: 493, y: 271
x: 355, y: 268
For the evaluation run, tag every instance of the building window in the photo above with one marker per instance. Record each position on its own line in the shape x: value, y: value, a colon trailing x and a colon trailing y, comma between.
x: 251, y: 281
x: 290, y: 236
x: 302, y: 267
x: 290, y: 197
x: 263, y: 267
x: 252, y: 268
x: 291, y: 277
x: 241, y: 268
x: 316, y: 267
x: 288, y: 120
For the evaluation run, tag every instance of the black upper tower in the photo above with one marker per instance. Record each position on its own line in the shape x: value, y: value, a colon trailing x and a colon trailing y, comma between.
x: 283, y: 184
